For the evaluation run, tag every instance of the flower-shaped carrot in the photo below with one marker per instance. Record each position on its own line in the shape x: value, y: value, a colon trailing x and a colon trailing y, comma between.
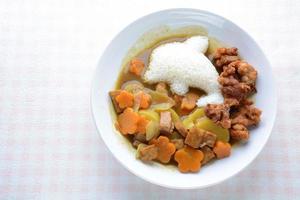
x: 125, y: 99
x: 141, y: 100
x: 189, y: 159
x: 128, y: 121
x: 165, y: 148
x: 136, y: 66
x: 141, y: 125
x: 145, y: 100
x: 222, y: 149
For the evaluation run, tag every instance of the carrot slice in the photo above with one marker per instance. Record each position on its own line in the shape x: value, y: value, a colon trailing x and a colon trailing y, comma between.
x: 142, y: 124
x: 145, y: 101
x: 142, y: 100
x: 189, y: 159
x: 125, y: 99
x: 165, y: 148
x: 222, y: 149
x: 136, y: 66
x: 189, y: 101
x: 128, y: 121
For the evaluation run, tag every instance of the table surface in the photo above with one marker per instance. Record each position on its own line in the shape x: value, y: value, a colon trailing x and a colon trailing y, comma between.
x: 49, y: 147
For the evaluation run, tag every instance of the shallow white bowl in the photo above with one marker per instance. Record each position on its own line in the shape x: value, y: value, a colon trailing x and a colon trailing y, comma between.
x: 107, y: 72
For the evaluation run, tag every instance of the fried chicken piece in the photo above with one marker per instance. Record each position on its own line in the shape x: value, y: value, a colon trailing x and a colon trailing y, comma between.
x: 246, y: 72
x: 231, y: 102
x: 238, y: 91
x: 218, y: 113
x: 225, y: 56
x: 233, y: 51
x: 238, y: 80
x: 246, y: 115
x: 239, y: 132
x: 246, y: 102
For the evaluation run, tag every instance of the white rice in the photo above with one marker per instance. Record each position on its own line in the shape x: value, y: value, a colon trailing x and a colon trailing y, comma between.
x: 183, y: 65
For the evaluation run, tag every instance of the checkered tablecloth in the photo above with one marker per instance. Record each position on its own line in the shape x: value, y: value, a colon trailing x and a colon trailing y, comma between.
x: 49, y: 147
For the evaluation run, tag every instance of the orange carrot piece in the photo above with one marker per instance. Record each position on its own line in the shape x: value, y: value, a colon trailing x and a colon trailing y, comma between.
x: 142, y: 124
x: 136, y: 66
x: 189, y: 159
x: 189, y: 101
x: 222, y: 149
x: 128, y: 121
x: 125, y: 99
x: 165, y: 148
x: 142, y: 100
x: 145, y: 101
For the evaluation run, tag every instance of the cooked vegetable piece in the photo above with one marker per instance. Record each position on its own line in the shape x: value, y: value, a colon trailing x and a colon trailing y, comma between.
x: 222, y: 149
x: 208, y: 125
x: 161, y: 106
x: 189, y: 159
x: 165, y: 148
x: 136, y: 66
x: 132, y: 86
x: 117, y: 126
x: 189, y: 101
x: 214, y: 44
x: 136, y: 143
x: 166, y: 125
x: 137, y: 101
x: 125, y: 99
x: 158, y: 97
x: 138, y: 151
x: 188, y: 124
x: 145, y: 100
x: 141, y: 100
x: 113, y: 95
x: 142, y: 124
x: 128, y: 121
x: 152, y: 130
x: 174, y: 115
x: 149, y: 114
x: 189, y: 121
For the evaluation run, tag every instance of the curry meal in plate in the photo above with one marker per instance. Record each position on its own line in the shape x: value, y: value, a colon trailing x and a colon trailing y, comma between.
x: 185, y: 102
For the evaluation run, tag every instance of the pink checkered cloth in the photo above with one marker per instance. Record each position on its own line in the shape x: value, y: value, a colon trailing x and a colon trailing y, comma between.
x: 49, y: 147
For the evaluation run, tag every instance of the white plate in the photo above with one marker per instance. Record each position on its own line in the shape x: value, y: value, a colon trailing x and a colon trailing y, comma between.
x: 106, y: 76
